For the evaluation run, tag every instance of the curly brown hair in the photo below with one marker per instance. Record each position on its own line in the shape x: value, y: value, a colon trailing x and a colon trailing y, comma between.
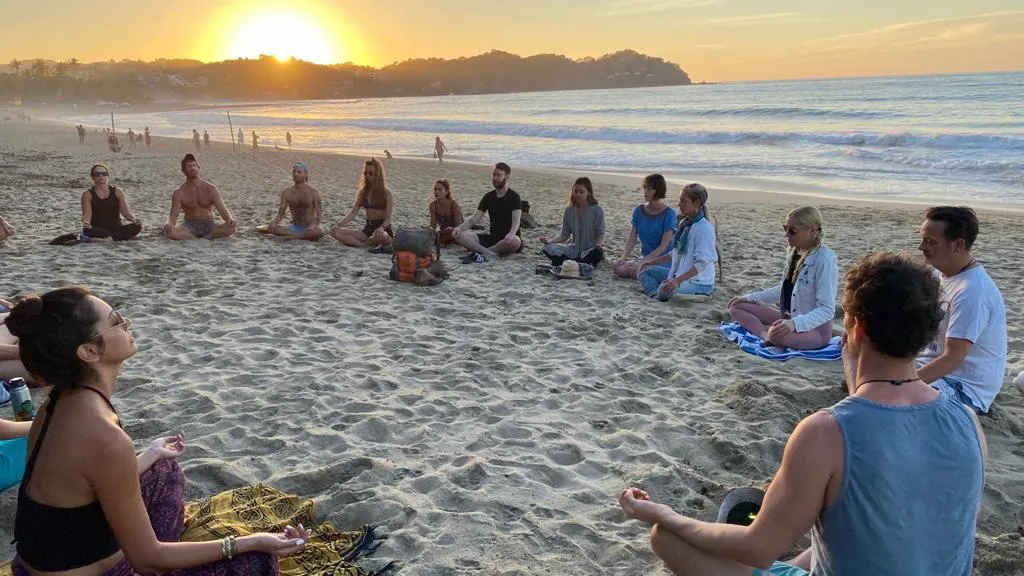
x: 897, y: 301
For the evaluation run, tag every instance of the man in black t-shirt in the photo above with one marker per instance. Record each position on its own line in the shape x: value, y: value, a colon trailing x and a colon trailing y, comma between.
x: 505, y: 210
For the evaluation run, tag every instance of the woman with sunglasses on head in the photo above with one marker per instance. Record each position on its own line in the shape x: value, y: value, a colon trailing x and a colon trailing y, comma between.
x: 102, y: 208
x: 798, y: 312
x: 88, y: 503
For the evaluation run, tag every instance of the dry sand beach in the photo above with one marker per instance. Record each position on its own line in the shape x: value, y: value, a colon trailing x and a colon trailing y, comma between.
x: 487, y: 424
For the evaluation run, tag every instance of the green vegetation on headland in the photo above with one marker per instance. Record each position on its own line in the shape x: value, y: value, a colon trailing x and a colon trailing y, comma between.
x: 266, y: 78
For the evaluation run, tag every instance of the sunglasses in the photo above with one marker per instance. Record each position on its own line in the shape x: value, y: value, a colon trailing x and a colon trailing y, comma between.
x: 98, y: 174
x: 119, y: 322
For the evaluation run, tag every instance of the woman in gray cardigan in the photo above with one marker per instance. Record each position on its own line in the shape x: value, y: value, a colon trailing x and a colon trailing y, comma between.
x: 583, y: 222
x: 798, y: 312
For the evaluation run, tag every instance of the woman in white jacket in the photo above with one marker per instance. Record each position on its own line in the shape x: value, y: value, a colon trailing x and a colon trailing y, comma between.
x: 798, y: 312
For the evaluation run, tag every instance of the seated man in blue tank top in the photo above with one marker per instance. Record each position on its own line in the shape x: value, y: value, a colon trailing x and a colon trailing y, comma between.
x: 888, y: 481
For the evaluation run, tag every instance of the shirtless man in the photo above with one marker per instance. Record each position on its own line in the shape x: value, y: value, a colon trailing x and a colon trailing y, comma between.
x: 206, y: 140
x: 304, y: 203
x: 131, y: 139
x: 198, y: 198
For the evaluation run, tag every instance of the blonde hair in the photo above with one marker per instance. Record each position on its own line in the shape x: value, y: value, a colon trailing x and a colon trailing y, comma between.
x: 699, y: 193
x: 805, y: 217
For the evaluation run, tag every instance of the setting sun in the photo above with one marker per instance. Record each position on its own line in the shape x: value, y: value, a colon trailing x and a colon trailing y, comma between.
x: 282, y: 34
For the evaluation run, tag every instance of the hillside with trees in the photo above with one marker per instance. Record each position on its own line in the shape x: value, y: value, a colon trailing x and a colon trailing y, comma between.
x: 266, y: 78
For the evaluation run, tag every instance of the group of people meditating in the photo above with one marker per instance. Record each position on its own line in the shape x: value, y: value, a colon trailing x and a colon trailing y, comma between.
x: 889, y: 480
x: 924, y: 352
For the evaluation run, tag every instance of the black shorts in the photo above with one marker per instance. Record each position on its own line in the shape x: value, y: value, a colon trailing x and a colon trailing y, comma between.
x: 487, y: 240
x: 372, y: 225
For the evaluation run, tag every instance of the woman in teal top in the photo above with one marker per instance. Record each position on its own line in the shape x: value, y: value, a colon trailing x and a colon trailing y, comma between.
x: 653, y: 223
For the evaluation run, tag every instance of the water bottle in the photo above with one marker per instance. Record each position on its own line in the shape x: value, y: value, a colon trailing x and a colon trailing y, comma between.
x: 21, y: 400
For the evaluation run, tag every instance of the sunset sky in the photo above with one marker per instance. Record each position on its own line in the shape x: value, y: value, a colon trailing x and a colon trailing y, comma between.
x: 714, y: 40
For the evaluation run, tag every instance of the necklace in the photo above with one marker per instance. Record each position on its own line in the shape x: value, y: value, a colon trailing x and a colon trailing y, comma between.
x: 964, y: 269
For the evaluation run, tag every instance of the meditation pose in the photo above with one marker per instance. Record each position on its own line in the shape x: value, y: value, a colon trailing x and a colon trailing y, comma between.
x: 439, y: 149
x: 445, y: 212
x: 887, y: 481
x: 197, y: 198
x: 583, y: 223
x: 88, y: 502
x: 6, y: 230
x: 504, y: 210
x: 653, y: 223
x: 692, y: 252
x: 303, y: 201
x: 374, y: 197
x: 103, y: 206
x: 798, y: 312
x: 968, y: 356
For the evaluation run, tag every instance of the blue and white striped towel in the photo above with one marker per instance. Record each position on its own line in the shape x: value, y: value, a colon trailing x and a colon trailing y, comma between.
x: 753, y: 345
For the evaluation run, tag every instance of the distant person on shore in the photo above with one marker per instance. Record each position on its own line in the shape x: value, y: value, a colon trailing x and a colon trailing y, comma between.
x: 504, y: 209
x: 445, y: 212
x: 653, y: 223
x: 149, y: 138
x: 796, y: 313
x: 206, y: 140
x: 583, y: 223
x: 6, y: 230
x: 103, y: 206
x: 888, y: 481
x: 198, y: 198
x: 112, y: 143
x: 131, y: 139
x: 968, y: 356
x: 288, y: 138
x: 387, y: 154
x: 241, y: 138
x: 195, y: 139
x: 692, y: 253
x: 255, y: 142
x: 81, y: 133
x: 439, y: 149
x: 305, y: 205
x: 378, y: 202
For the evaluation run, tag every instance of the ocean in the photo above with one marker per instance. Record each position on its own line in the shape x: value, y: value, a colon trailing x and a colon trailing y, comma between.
x: 934, y: 138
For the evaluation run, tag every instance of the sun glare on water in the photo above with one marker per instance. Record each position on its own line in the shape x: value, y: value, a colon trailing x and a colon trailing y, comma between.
x: 282, y: 34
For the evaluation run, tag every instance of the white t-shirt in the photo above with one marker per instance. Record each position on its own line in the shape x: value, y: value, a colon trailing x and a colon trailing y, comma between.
x: 974, y: 311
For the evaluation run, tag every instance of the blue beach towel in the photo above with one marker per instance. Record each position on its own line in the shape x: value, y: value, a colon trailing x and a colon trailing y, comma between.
x: 753, y: 345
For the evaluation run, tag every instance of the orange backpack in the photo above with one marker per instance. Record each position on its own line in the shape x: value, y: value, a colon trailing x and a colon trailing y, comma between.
x: 414, y: 250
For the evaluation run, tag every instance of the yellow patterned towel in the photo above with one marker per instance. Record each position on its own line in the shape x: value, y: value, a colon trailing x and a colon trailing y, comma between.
x: 260, y: 508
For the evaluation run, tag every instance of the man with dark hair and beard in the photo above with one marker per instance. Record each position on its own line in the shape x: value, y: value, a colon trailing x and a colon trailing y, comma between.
x: 198, y: 198
x: 504, y: 209
x: 888, y: 481
x: 305, y: 205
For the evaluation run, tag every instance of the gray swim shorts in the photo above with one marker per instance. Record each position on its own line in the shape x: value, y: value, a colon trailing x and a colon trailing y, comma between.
x: 200, y: 229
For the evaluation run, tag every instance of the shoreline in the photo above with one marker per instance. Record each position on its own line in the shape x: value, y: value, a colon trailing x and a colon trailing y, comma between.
x: 737, y: 190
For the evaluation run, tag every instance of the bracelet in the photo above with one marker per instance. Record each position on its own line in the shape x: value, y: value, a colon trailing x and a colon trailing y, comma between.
x: 231, y: 547
x: 224, y: 548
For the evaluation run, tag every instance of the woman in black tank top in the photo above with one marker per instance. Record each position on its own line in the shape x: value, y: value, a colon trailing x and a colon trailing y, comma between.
x: 102, y: 208
x: 87, y: 499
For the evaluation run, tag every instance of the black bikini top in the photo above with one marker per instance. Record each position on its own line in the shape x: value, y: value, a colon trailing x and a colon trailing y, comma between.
x: 54, y: 539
